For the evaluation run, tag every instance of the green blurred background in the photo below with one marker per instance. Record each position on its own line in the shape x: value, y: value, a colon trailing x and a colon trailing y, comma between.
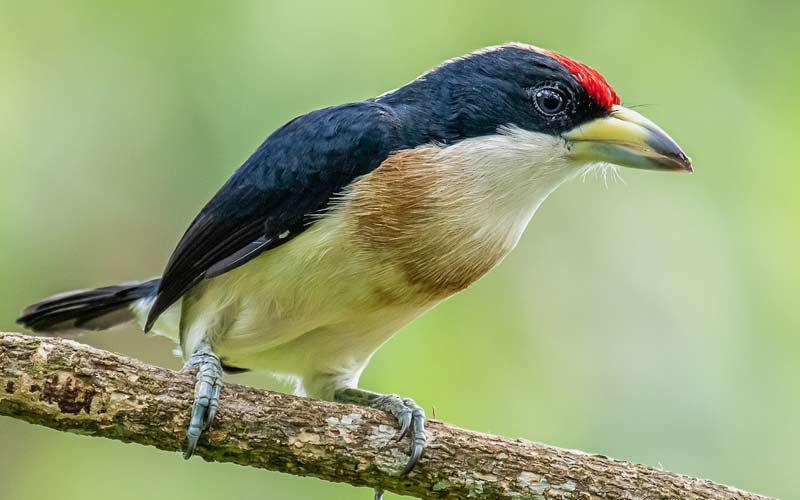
x: 654, y: 321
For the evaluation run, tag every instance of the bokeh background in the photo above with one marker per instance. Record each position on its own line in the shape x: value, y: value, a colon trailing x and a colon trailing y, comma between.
x: 654, y: 321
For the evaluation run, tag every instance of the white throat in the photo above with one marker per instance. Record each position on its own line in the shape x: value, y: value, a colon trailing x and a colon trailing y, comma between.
x: 504, y: 178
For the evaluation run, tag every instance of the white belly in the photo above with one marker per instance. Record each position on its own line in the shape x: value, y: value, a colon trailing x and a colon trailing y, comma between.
x: 315, y: 307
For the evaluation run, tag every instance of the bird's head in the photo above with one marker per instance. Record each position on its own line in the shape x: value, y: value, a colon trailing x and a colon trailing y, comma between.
x: 560, y: 103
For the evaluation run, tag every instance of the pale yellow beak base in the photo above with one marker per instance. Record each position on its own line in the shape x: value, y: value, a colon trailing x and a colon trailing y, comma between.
x: 628, y: 139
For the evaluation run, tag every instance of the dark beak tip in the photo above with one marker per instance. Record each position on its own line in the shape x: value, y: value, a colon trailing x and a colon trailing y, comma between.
x: 687, y: 165
x: 680, y: 162
x: 675, y: 163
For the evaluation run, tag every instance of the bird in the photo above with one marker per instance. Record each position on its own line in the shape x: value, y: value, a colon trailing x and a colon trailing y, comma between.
x: 350, y: 221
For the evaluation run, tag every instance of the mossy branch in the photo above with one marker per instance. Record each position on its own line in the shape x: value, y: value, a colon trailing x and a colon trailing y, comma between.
x: 72, y: 387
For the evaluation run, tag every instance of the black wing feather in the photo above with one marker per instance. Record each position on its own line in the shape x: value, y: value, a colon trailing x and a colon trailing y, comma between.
x: 289, y: 178
x: 240, y: 257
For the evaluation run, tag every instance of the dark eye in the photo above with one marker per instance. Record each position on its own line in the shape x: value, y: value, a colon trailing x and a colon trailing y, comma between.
x: 549, y: 102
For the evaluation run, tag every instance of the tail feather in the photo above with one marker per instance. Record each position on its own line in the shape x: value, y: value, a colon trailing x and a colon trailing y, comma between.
x: 97, y: 309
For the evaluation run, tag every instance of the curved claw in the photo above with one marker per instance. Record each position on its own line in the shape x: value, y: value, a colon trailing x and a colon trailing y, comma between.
x: 191, y: 444
x: 416, y: 453
x: 407, y: 412
x: 412, y: 418
x: 405, y: 424
x: 418, y: 438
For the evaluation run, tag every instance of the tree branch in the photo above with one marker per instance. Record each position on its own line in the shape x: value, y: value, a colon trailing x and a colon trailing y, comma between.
x: 76, y: 388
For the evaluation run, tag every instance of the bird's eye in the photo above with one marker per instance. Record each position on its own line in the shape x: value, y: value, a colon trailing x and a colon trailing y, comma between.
x: 549, y: 101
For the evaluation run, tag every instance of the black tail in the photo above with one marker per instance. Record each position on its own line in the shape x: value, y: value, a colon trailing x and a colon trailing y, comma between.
x: 98, y: 309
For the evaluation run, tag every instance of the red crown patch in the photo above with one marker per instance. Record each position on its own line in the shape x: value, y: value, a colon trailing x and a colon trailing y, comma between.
x: 591, y: 80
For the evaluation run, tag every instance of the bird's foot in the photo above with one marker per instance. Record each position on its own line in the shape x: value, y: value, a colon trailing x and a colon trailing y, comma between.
x: 410, y: 415
x: 208, y: 371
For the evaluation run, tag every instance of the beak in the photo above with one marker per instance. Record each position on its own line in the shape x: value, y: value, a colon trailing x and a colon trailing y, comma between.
x: 628, y: 139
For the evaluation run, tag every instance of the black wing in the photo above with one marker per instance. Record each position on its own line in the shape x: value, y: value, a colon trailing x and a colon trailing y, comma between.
x: 274, y: 194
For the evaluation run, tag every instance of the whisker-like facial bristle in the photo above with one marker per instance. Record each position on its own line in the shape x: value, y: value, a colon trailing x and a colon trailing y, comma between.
x: 604, y: 171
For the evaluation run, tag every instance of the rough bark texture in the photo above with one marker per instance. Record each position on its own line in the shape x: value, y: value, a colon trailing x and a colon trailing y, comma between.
x: 73, y: 387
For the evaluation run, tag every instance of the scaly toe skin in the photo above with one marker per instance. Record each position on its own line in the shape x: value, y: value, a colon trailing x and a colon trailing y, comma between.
x: 199, y: 408
x: 213, y: 405
x: 206, y: 397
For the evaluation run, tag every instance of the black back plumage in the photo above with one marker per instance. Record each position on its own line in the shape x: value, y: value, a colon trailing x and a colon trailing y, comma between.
x: 275, y: 193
